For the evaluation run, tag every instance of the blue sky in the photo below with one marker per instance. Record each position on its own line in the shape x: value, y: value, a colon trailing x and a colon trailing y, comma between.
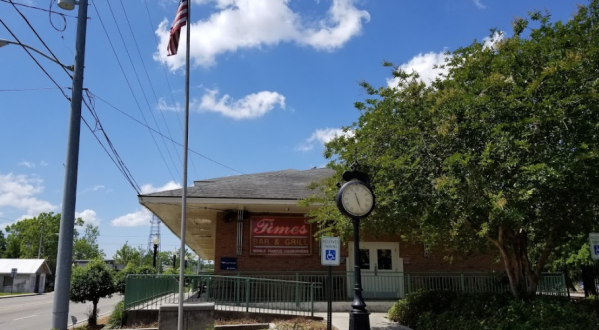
x: 271, y: 81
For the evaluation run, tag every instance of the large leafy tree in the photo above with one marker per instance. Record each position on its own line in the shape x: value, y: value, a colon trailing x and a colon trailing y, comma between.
x: 91, y: 283
x: 502, y: 151
x: 86, y: 246
x: 2, y: 244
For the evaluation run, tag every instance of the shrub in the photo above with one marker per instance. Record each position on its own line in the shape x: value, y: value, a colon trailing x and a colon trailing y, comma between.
x: 116, y: 318
x: 408, y: 310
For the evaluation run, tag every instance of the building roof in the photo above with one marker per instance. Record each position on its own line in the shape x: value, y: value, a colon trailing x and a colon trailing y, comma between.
x: 286, y: 184
x: 24, y: 266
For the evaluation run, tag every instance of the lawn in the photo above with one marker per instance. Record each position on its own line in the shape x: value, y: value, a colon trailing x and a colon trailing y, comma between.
x: 11, y: 294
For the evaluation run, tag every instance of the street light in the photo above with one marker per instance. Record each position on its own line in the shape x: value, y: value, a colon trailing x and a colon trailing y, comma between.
x: 175, y: 259
x: 156, y: 241
x: 4, y: 42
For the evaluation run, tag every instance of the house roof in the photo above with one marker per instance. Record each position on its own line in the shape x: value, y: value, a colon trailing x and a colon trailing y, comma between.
x: 285, y: 185
x: 24, y: 266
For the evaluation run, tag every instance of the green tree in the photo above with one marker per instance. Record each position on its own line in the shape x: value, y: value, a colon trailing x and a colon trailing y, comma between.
x: 23, y: 238
x: 91, y: 283
x: 502, y: 151
x: 126, y: 254
x: 86, y: 247
x: 2, y: 244
x: 120, y: 277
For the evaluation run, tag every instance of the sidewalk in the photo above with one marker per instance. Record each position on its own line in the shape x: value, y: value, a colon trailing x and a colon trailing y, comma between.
x: 378, y: 321
x: 18, y: 295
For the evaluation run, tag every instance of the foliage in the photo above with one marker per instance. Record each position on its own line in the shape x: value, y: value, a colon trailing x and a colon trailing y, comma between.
x: 86, y: 247
x: 446, y: 310
x: 502, y: 151
x: 116, y: 317
x: 120, y: 277
x: 126, y: 254
x: 90, y: 283
x: 2, y: 244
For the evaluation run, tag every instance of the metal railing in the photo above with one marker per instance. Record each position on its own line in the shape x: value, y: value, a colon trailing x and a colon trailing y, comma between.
x: 235, y: 293
x: 395, y: 285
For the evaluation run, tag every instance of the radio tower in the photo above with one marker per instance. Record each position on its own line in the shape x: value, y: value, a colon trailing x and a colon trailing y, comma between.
x: 154, y: 231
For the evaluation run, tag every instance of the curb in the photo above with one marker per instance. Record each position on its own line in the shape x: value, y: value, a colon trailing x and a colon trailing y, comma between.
x: 19, y: 295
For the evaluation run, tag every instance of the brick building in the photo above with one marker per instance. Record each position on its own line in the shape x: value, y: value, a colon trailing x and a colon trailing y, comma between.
x: 253, y: 222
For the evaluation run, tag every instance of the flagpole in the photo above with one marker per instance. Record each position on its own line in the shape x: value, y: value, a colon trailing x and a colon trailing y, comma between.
x: 184, y: 194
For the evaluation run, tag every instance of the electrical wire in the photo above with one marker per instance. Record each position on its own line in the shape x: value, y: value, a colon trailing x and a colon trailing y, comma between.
x: 131, y: 89
x: 150, y: 82
x: 143, y: 92
x: 38, y: 8
x: 34, y: 59
x: 40, y: 38
x: 151, y: 25
x: 179, y: 144
x: 31, y: 89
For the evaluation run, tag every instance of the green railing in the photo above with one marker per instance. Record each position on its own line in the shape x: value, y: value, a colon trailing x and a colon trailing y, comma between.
x: 395, y: 285
x: 233, y: 293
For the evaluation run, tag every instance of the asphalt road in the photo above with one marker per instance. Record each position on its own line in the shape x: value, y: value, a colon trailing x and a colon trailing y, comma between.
x: 35, y: 312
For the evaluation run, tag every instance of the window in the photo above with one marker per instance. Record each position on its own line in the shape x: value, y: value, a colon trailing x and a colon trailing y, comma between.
x: 7, y: 281
x: 364, y: 259
x: 384, y: 259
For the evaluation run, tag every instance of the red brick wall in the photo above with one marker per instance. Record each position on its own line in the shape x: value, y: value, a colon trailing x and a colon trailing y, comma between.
x: 412, y: 254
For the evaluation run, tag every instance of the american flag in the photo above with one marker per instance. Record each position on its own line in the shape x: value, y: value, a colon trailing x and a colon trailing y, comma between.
x: 178, y: 23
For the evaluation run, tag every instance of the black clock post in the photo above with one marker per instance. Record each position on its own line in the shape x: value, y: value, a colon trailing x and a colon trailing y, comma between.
x: 358, y: 189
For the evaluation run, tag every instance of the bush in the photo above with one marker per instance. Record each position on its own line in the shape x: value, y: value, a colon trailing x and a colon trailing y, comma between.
x: 119, y: 277
x: 446, y: 310
x: 116, y: 318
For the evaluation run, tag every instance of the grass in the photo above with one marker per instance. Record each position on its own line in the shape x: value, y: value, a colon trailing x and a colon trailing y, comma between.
x: 12, y: 294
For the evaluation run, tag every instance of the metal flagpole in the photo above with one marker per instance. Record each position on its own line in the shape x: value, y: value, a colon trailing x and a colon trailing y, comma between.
x: 184, y: 195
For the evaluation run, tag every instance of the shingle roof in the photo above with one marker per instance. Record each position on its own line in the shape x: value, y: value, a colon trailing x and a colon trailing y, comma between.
x: 286, y: 184
x: 23, y: 266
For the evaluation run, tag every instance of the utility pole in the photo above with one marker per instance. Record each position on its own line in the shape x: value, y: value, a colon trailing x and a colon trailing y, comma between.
x: 60, y: 309
x: 39, y: 249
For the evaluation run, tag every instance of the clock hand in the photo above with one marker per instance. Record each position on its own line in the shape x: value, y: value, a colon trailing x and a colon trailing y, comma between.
x: 357, y: 199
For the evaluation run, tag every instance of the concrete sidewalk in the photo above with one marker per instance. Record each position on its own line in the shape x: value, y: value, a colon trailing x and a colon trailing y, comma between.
x: 378, y: 321
x: 19, y: 295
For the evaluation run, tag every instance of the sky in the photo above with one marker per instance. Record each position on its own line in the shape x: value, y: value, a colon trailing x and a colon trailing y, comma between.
x: 271, y: 81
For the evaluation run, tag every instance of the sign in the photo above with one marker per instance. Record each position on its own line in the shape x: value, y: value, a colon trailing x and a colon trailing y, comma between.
x: 594, y: 242
x: 227, y: 263
x: 13, y: 273
x: 330, y: 251
x: 290, y: 236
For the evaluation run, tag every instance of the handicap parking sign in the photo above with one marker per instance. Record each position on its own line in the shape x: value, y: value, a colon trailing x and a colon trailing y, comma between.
x: 596, y: 249
x: 331, y: 254
x: 594, y: 244
x: 329, y: 247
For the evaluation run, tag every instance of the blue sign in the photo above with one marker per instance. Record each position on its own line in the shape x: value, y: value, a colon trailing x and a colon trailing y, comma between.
x: 596, y: 247
x: 227, y: 263
x: 330, y: 255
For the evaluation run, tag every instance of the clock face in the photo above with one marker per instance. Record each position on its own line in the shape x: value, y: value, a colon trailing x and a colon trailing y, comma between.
x: 356, y: 199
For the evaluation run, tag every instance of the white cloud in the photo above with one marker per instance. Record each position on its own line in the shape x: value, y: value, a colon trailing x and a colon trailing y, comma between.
x: 89, y: 217
x: 27, y: 164
x: 19, y: 191
x: 426, y: 65
x: 322, y: 136
x: 250, y: 106
x: 149, y: 188
x: 492, y: 41
x: 163, y: 106
x: 135, y: 219
x: 244, y: 24
x: 479, y: 4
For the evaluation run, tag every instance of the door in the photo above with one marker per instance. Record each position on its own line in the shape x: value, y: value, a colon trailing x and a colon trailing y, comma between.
x: 381, y: 270
x: 37, y: 284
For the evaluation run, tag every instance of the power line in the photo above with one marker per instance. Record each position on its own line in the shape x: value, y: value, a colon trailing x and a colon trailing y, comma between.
x: 38, y: 8
x: 166, y: 76
x: 149, y: 81
x: 31, y: 89
x: 143, y: 92
x: 179, y: 144
x: 34, y: 59
x: 131, y: 89
x: 40, y: 38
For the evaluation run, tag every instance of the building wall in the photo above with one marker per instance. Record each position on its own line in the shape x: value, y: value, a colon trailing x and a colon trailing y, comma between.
x: 21, y: 283
x: 413, y: 255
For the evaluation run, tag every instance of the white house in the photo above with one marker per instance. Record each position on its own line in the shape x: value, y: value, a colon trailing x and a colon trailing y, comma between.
x: 30, y: 277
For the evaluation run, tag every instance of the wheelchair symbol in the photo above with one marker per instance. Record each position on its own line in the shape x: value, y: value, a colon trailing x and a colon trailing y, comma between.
x: 330, y: 255
x: 596, y: 249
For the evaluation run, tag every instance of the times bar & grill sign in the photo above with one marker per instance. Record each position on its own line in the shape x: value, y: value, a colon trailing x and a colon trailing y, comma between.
x: 280, y: 236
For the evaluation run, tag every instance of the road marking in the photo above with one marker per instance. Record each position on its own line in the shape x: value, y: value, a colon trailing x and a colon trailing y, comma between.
x: 24, y: 305
x: 22, y: 318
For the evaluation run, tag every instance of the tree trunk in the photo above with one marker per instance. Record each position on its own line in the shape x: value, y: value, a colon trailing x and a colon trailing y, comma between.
x: 93, y: 318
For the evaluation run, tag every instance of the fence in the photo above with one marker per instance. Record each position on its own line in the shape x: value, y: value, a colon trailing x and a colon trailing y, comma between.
x: 395, y: 285
x: 234, y: 293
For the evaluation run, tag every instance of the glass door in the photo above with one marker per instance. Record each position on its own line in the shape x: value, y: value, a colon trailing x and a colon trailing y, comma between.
x: 381, y: 268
